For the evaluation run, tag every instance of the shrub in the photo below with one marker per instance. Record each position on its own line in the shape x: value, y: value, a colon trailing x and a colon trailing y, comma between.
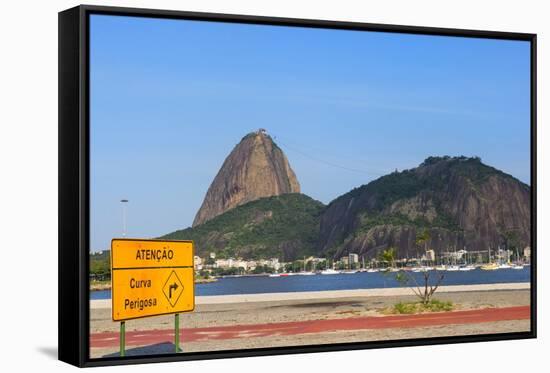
x: 433, y: 305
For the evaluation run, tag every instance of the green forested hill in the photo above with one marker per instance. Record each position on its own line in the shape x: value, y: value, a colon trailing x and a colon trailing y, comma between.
x: 460, y: 201
x: 285, y: 227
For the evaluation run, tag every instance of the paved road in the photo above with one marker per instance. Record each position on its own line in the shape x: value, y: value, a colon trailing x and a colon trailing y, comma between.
x: 148, y: 337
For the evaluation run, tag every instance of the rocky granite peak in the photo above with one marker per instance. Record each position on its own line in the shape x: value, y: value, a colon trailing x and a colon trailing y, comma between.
x: 255, y: 168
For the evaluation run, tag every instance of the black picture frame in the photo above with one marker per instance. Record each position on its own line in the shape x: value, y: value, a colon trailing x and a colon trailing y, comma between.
x: 74, y: 190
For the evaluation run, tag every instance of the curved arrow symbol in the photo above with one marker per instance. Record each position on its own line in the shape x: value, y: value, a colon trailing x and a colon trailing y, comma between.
x: 174, y: 287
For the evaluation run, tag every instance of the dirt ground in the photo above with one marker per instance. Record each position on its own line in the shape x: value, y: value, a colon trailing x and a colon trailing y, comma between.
x: 208, y: 315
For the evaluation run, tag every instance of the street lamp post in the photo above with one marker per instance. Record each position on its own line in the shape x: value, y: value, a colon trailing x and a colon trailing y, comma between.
x: 124, y: 202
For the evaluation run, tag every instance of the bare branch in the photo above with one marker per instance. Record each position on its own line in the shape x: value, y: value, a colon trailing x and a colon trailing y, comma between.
x: 418, y: 290
x: 434, y: 288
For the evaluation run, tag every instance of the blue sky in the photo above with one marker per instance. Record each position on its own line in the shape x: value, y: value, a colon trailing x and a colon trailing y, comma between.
x: 171, y: 98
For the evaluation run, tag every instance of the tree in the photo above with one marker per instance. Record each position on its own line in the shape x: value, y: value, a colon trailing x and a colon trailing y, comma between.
x: 204, y: 274
x: 425, y: 289
x: 321, y: 266
x: 262, y: 269
x: 296, y: 266
x: 388, y: 256
x: 511, y: 239
x: 100, y: 266
x: 422, y: 239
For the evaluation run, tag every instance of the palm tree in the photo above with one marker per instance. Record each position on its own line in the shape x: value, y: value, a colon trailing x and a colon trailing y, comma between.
x: 388, y: 256
x: 422, y: 238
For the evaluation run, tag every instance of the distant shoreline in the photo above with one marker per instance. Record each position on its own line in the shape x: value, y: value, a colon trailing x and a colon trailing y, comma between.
x: 333, y: 294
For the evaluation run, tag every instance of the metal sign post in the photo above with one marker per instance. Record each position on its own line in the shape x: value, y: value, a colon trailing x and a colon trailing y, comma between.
x: 122, y: 337
x: 150, y: 278
x: 177, y: 332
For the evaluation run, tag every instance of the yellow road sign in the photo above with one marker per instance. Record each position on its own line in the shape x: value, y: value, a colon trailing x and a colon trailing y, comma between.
x: 151, y: 277
x: 151, y: 253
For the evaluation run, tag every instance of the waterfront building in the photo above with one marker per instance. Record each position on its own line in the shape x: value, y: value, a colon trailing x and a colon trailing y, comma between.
x: 430, y: 255
x: 197, y: 263
x: 527, y: 252
x: 224, y: 263
x: 244, y: 264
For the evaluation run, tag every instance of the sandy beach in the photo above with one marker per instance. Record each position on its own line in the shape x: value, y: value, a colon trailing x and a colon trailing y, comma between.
x: 253, y: 309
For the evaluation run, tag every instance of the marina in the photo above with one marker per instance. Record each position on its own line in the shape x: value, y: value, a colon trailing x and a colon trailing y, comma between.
x: 342, y: 281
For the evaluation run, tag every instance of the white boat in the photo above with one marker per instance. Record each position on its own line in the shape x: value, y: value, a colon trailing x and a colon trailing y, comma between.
x: 330, y: 271
x: 275, y: 275
x: 453, y: 267
x: 504, y: 266
x: 305, y: 273
x: 466, y: 266
x: 422, y: 269
x: 372, y: 270
x: 349, y: 272
x: 518, y: 264
x: 441, y: 267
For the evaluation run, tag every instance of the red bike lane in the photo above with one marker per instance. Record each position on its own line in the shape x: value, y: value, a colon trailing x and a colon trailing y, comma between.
x: 148, y: 337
